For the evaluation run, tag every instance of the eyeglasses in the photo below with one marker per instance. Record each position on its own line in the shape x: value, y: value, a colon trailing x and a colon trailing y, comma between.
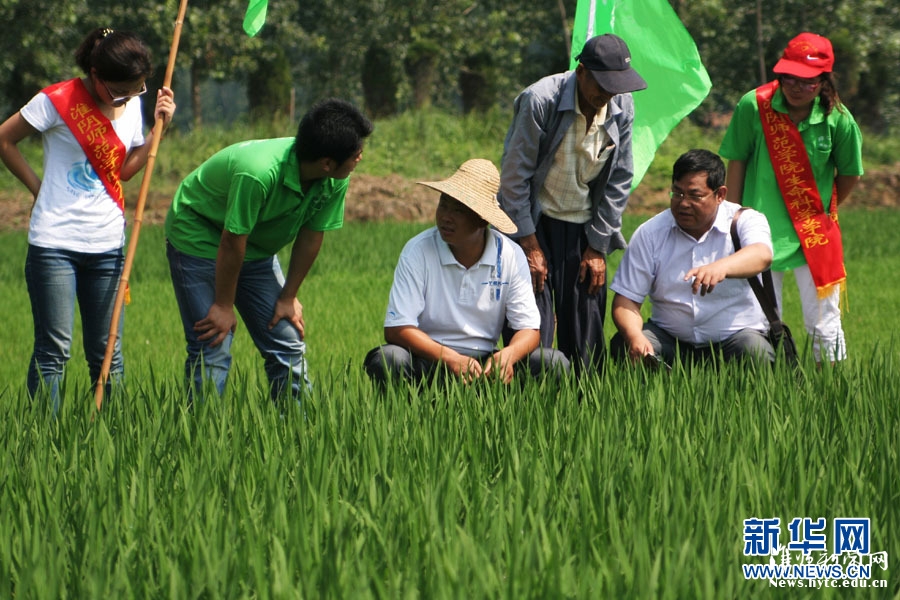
x: 119, y: 100
x: 680, y: 196
x: 804, y: 84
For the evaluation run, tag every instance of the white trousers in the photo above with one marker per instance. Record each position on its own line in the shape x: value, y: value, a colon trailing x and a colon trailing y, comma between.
x: 821, y: 316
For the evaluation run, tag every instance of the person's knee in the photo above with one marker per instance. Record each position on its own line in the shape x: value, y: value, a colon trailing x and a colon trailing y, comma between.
x: 548, y: 360
x: 750, y: 344
x: 386, y: 361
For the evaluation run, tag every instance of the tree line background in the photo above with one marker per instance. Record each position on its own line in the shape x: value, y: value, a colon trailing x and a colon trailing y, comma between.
x: 392, y: 56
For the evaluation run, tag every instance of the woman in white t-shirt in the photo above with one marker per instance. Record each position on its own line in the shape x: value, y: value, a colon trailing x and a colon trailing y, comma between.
x: 92, y: 132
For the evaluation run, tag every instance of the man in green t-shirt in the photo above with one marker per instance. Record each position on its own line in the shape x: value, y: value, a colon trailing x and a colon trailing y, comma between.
x: 231, y: 216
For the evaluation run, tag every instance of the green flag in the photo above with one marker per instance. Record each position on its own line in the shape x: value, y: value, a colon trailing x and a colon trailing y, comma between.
x: 255, y: 17
x: 665, y: 55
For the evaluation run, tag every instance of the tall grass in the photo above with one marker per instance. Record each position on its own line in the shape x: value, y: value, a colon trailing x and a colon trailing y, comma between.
x: 625, y: 484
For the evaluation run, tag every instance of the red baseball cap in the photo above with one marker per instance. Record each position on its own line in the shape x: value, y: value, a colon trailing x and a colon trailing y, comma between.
x: 807, y: 55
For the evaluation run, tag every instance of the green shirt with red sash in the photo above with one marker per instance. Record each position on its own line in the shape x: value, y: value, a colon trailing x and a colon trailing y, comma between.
x: 834, y: 146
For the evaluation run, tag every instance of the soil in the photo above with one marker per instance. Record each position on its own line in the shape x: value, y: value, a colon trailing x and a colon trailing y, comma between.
x: 394, y: 198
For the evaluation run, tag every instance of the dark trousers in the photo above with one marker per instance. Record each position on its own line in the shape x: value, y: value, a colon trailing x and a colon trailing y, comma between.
x: 579, y: 315
x: 392, y: 362
x: 746, y: 343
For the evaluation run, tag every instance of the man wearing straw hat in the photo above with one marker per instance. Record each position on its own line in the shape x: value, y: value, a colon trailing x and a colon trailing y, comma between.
x: 567, y: 171
x: 455, y: 286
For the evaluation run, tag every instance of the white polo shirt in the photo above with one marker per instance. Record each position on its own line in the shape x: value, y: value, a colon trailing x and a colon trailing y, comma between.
x: 660, y: 254
x: 457, y: 307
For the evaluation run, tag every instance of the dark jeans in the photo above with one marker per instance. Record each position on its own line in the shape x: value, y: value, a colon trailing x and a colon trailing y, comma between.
x: 55, y: 278
x: 260, y: 283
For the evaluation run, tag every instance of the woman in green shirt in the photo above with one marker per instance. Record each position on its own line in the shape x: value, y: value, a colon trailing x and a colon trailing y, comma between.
x: 807, y: 95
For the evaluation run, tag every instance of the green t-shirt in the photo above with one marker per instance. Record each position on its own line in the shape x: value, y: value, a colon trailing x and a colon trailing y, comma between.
x: 251, y: 188
x: 834, y: 146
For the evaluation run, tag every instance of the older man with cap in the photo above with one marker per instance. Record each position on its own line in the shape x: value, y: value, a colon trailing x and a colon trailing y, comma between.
x: 455, y: 286
x: 566, y: 176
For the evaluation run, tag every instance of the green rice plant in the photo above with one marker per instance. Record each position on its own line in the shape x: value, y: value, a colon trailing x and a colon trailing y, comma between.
x: 627, y: 483
x: 345, y: 296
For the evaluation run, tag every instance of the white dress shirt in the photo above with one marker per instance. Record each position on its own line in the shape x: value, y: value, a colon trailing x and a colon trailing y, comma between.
x: 660, y: 254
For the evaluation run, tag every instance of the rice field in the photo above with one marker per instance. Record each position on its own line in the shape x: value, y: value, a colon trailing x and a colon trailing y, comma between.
x: 625, y: 484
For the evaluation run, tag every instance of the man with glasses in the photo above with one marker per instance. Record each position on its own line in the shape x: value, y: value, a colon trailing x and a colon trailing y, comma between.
x: 685, y: 261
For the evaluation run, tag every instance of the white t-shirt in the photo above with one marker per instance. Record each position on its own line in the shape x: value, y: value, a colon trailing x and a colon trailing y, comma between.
x: 73, y: 210
x: 660, y: 254
x: 457, y: 307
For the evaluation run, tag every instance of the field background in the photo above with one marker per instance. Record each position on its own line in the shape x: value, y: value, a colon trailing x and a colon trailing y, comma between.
x: 345, y: 295
x: 622, y: 485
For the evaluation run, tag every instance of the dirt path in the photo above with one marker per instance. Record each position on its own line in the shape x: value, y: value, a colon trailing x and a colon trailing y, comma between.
x: 395, y: 198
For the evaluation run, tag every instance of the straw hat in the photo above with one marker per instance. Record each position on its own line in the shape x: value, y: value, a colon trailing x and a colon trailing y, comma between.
x: 475, y: 184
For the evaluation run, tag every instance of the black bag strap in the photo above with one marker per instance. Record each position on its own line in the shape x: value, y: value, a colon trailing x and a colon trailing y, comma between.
x: 765, y: 291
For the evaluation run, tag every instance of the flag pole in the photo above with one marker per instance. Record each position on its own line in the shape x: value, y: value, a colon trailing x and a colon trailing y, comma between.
x: 137, y: 219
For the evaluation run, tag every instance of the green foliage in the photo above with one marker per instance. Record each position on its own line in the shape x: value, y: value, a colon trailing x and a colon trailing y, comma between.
x: 415, y: 144
x: 864, y: 35
x: 432, y: 142
x: 269, y: 89
x: 426, y: 50
x: 36, y: 50
x: 880, y: 150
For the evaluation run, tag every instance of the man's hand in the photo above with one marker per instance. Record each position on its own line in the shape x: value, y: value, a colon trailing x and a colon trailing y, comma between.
x: 639, y: 347
x: 593, y: 264
x: 537, y: 262
x: 500, y: 366
x: 465, y: 367
x: 215, y: 326
x: 290, y: 309
x: 706, y: 278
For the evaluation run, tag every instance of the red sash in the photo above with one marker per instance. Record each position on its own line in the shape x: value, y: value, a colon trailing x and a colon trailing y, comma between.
x: 819, y: 233
x: 94, y: 133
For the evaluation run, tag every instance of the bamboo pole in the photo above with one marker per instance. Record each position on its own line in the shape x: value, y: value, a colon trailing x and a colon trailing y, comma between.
x: 137, y: 219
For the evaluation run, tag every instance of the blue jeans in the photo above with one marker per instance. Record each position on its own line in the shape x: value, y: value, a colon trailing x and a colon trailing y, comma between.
x: 259, y: 284
x: 55, y: 278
